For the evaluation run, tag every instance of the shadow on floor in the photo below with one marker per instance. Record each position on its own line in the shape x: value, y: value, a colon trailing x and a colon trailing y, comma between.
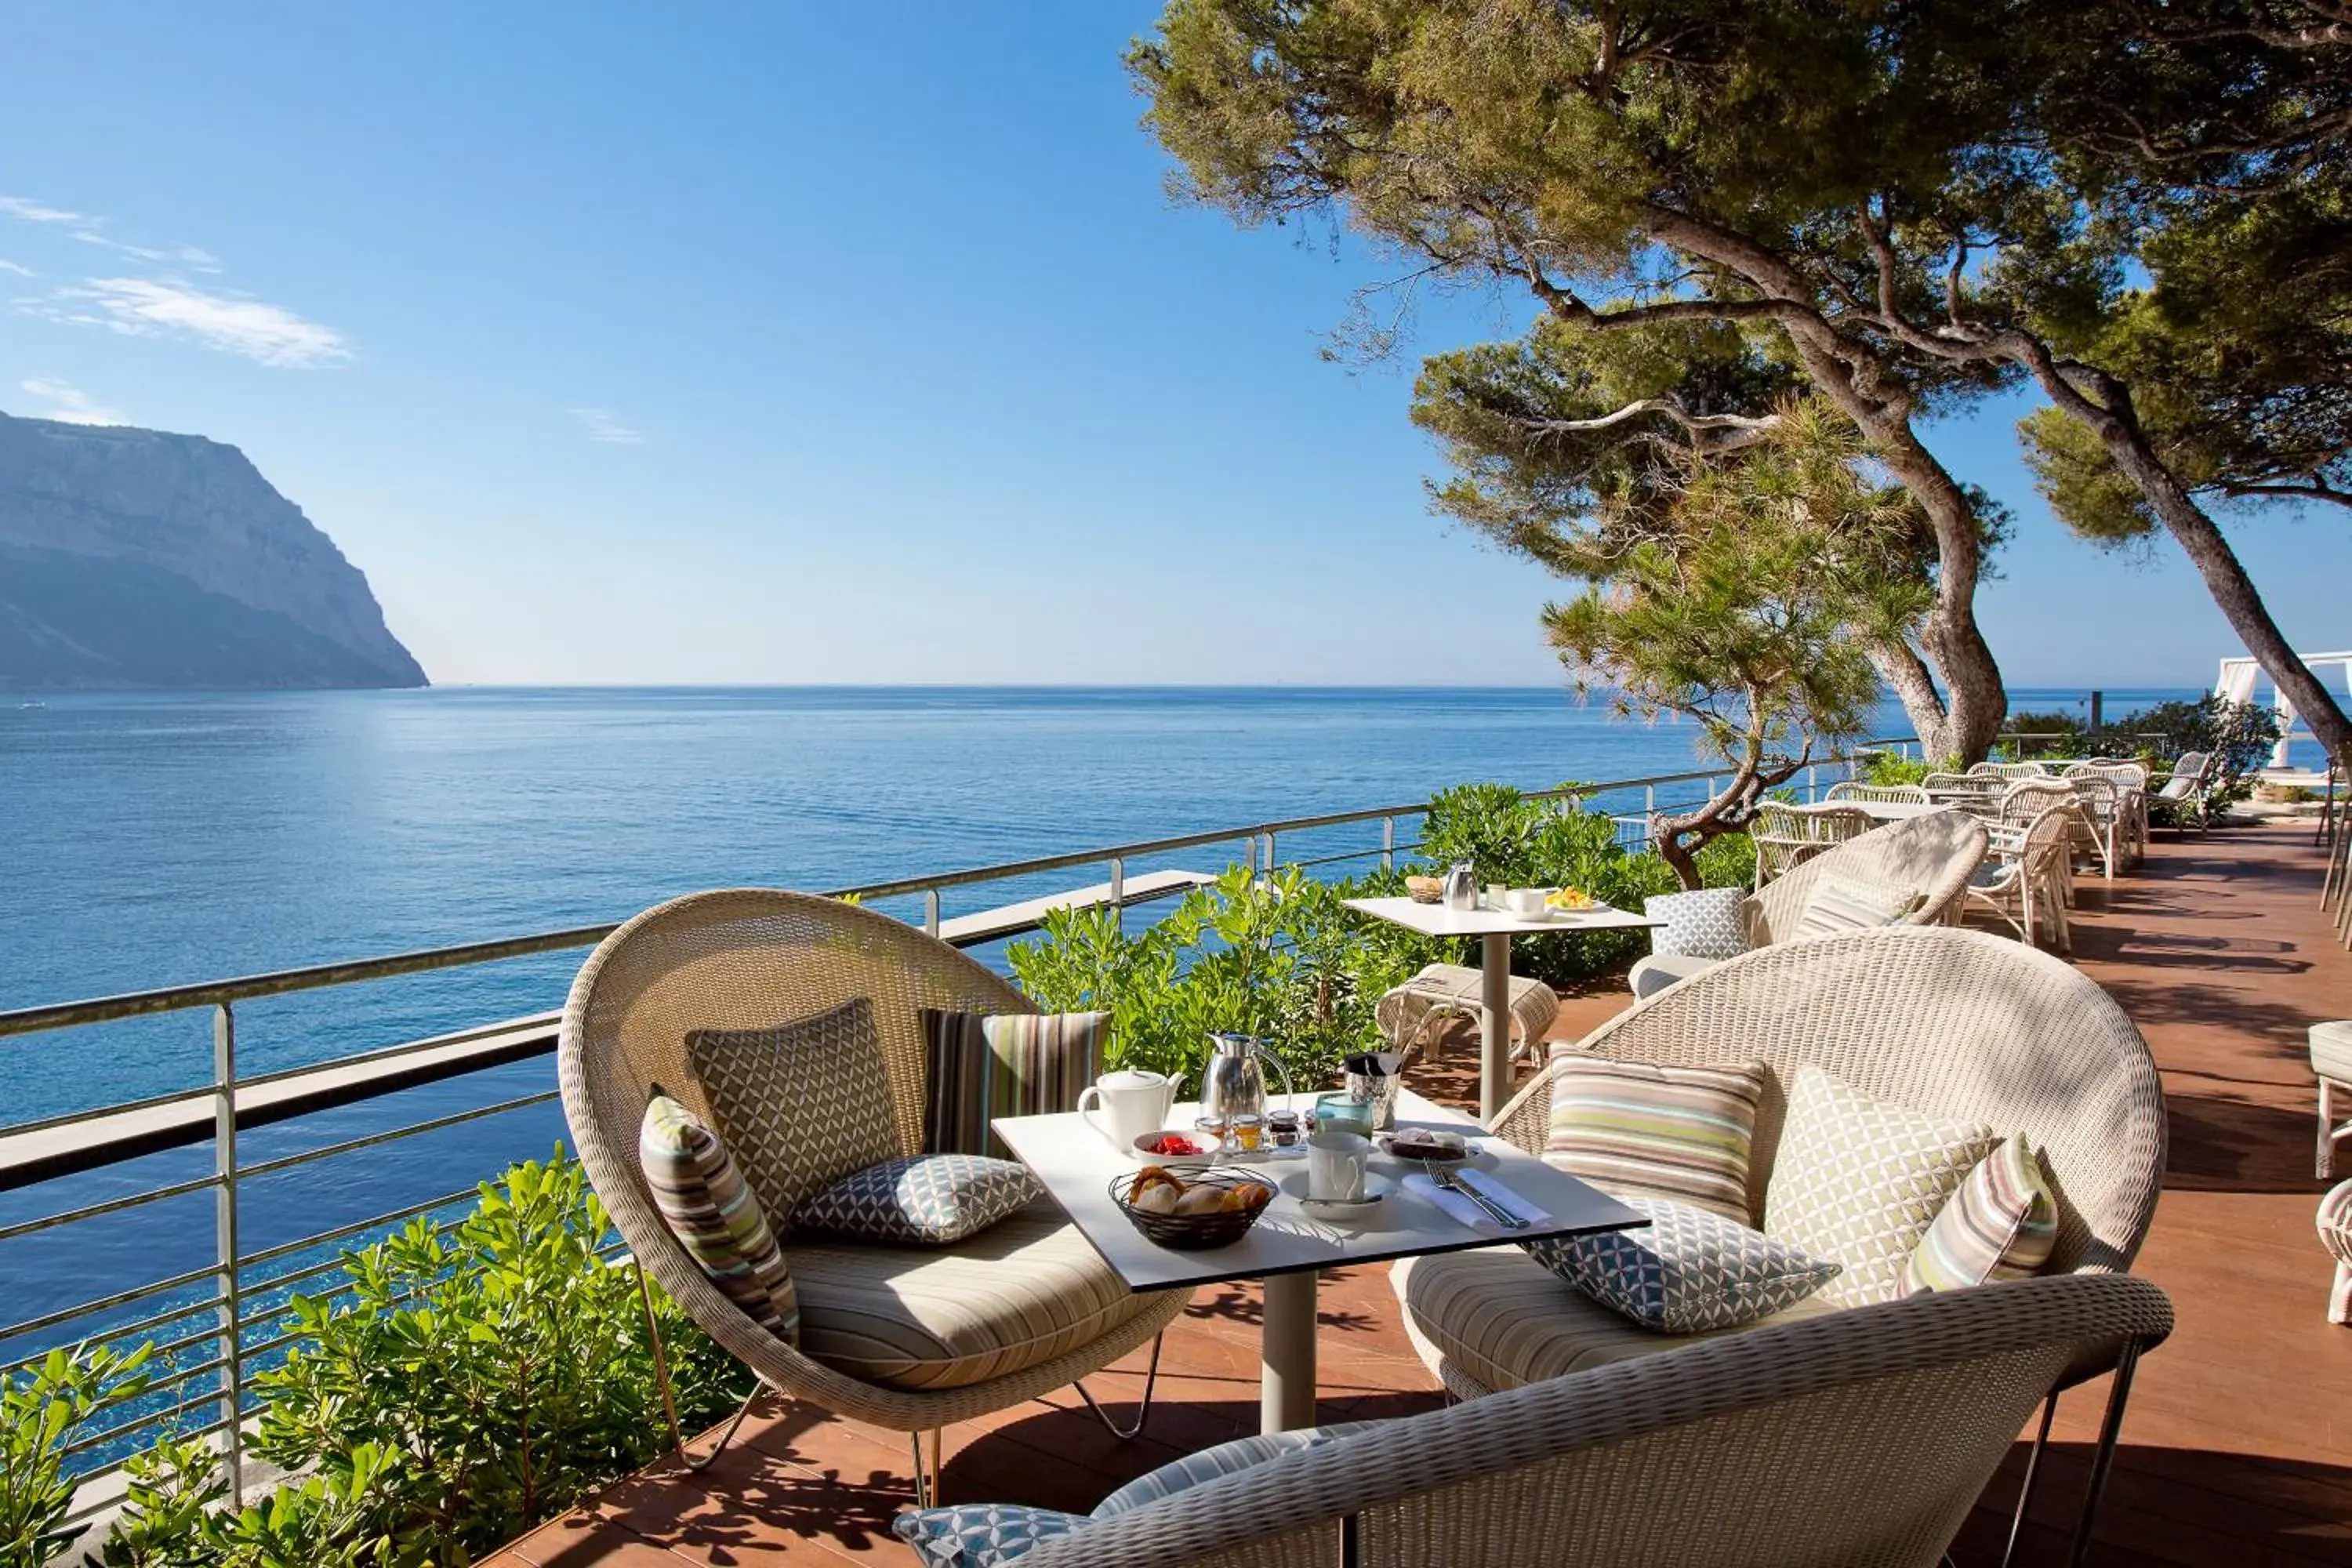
x: 2170, y: 1506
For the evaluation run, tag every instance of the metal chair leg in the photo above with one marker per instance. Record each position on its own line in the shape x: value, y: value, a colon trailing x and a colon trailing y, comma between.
x: 1143, y: 1411
x: 670, y: 1396
x: 2110, y: 1427
x: 2032, y: 1474
x: 927, y: 1479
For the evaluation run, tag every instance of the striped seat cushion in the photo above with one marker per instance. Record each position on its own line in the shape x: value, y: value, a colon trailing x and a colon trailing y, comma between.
x: 1502, y: 1319
x: 707, y: 1204
x: 1022, y: 1292
x: 1841, y: 903
x: 2003, y: 1224
x: 978, y: 1068
x: 1650, y: 1129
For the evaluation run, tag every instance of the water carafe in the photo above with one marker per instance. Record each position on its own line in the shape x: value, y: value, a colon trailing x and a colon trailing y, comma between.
x: 1234, y: 1083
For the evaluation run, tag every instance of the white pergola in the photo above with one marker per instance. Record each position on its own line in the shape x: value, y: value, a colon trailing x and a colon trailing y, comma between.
x: 2237, y: 678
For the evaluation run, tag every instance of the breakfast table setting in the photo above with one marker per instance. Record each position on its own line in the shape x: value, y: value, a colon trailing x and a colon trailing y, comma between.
x: 1232, y: 1186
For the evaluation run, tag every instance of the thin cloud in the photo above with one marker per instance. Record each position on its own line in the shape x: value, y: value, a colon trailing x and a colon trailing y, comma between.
x: 31, y: 211
x: 143, y: 253
x: 604, y: 427
x: 70, y: 405
x: 18, y: 267
x: 166, y: 306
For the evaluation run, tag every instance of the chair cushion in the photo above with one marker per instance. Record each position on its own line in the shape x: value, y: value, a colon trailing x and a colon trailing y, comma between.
x: 920, y: 1200
x: 702, y: 1197
x: 1650, y: 1129
x: 1687, y: 1272
x: 976, y: 1068
x: 802, y: 1104
x: 1654, y: 972
x: 979, y: 1534
x: 1841, y: 903
x: 1224, y: 1459
x: 2331, y: 1050
x: 1710, y: 923
x: 1019, y: 1294
x: 2003, y: 1224
x: 1859, y: 1180
x: 1503, y: 1319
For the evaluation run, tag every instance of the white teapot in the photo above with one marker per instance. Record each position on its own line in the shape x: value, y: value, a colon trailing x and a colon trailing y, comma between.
x: 1133, y: 1103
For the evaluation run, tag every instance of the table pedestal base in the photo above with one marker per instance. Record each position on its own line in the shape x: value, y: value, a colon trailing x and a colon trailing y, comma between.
x: 1287, y: 1355
x: 1495, y: 1026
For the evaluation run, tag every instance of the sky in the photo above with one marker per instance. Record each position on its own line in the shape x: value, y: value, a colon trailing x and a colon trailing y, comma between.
x: 749, y: 343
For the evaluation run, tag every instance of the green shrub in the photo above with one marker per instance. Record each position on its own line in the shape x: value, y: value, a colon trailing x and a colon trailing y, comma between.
x: 42, y: 1410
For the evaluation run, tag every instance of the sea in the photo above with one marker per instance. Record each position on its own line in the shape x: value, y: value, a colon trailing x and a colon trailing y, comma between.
x: 149, y: 840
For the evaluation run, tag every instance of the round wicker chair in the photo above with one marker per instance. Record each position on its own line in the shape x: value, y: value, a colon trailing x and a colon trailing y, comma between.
x: 749, y: 960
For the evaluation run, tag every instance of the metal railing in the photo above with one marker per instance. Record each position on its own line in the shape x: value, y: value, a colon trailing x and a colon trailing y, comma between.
x: 244, y: 1308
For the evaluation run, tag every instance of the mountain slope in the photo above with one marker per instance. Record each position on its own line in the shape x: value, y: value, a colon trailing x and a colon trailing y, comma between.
x: 136, y: 558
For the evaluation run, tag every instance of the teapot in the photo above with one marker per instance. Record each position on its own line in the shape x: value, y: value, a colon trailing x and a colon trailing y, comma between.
x: 1235, y: 1084
x: 1135, y: 1104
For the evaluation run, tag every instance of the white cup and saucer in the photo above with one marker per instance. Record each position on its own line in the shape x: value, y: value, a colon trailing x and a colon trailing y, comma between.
x: 1338, y: 1178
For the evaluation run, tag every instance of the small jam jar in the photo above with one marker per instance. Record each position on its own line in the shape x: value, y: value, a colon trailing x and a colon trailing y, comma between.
x: 1249, y: 1134
x: 1282, y: 1129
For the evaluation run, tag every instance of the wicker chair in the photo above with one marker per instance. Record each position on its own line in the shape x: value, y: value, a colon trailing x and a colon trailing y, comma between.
x: 1907, y: 795
x: 1954, y: 1024
x: 1976, y: 794
x: 1937, y: 853
x: 1862, y: 1440
x: 2008, y: 771
x: 752, y: 959
x: 1786, y: 836
x: 2182, y: 800
x: 2105, y: 829
x: 2130, y: 780
x: 2028, y: 885
x: 2025, y: 801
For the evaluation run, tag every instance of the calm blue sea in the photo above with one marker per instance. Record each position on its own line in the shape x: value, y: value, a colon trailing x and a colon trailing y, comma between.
x: 148, y: 840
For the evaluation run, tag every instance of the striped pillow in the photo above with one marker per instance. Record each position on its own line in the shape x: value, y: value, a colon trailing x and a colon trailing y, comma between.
x: 704, y: 1202
x: 977, y: 1068
x: 1646, y: 1130
x: 2001, y: 1224
x: 1839, y: 903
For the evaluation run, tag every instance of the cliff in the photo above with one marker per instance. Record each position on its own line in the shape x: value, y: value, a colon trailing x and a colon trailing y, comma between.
x: 134, y: 558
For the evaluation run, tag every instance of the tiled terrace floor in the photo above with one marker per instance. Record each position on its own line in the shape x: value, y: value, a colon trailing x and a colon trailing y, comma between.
x: 2238, y: 1450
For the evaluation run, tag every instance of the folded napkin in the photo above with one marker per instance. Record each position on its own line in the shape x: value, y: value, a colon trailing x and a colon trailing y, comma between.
x: 1462, y: 1209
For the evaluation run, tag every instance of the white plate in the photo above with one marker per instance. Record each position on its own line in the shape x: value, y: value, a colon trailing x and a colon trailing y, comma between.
x: 1376, y: 1188
x: 1477, y: 1154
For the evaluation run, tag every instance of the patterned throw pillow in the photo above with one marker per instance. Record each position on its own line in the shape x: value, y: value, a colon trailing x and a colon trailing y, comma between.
x: 704, y: 1201
x: 1224, y: 1459
x: 920, y: 1200
x: 1840, y: 903
x: 977, y: 1068
x: 1689, y: 1272
x: 1646, y: 1130
x: 1861, y: 1181
x: 2001, y: 1224
x: 803, y: 1104
x: 979, y: 1534
x: 1711, y: 922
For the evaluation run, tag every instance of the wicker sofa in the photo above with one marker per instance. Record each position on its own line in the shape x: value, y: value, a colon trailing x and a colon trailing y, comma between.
x: 1935, y: 853
x: 1861, y: 1440
x: 912, y: 1339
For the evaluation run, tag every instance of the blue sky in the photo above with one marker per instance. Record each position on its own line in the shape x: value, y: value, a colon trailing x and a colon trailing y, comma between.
x: 744, y: 344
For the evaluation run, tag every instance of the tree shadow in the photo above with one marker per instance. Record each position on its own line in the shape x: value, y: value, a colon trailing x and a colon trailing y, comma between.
x: 2169, y: 1504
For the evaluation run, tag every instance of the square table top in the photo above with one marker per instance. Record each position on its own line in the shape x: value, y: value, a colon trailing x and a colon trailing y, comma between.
x: 1436, y: 919
x: 1075, y: 1164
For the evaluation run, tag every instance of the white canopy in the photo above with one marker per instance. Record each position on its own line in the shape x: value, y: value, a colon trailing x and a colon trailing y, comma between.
x: 2236, y: 682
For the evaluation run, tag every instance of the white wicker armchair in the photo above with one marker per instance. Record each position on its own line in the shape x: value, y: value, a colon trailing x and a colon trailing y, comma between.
x: 1861, y: 1440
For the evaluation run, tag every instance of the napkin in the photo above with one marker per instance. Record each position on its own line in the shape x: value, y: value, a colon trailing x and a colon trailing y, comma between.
x: 1467, y: 1213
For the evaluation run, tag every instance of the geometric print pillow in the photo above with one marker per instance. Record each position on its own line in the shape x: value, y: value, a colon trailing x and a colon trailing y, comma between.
x: 803, y: 1104
x: 920, y: 1200
x: 701, y: 1197
x: 1710, y: 923
x: 1861, y: 1181
x: 2001, y: 1224
x: 979, y: 1534
x: 1688, y: 1272
x: 978, y: 1068
x: 1656, y: 1131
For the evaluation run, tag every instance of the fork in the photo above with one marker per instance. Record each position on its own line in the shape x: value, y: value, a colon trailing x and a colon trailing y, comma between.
x: 1454, y: 1184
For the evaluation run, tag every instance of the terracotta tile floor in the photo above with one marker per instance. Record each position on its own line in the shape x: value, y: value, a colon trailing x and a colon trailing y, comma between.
x: 2238, y: 1450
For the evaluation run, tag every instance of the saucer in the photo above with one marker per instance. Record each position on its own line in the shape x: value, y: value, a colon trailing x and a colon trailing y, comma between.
x: 1376, y: 1188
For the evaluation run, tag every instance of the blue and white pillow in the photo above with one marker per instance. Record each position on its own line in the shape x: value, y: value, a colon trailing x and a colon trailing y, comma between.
x: 1711, y: 922
x: 979, y: 1534
x: 1688, y: 1272
x: 920, y: 1200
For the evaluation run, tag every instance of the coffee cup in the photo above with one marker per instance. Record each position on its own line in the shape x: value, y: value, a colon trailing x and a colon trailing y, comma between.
x: 1525, y: 902
x: 1335, y: 1167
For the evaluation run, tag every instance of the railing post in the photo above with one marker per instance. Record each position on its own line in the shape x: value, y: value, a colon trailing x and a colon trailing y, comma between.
x: 1813, y: 783
x: 225, y: 1245
x: 931, y: 912
x: 1118, y: 891
x: 1269, y: 852
x: 1388, y: 842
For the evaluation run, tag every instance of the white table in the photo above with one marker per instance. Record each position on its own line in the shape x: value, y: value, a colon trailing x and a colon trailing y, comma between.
x: 1495, y: 929
x: 1289, y: 1246
x: 1892, y: 810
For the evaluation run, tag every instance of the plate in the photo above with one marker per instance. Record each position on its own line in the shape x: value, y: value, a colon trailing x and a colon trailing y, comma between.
x: 1376, y: 1188
x: 1473, y: 1153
